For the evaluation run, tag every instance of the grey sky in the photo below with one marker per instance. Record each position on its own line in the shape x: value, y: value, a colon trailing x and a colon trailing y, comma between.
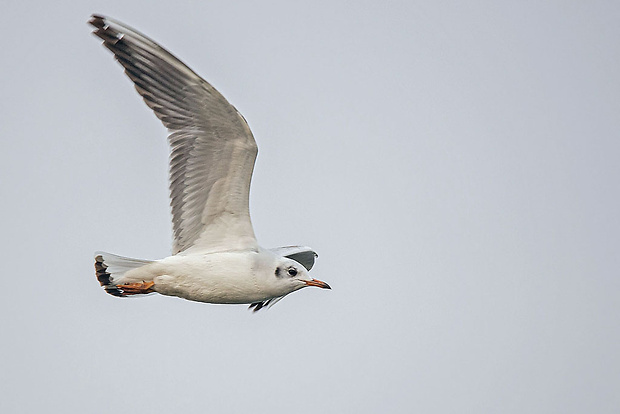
x: 455, y: 164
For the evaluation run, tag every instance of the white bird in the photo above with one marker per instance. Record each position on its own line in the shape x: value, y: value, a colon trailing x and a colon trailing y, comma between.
x: 216, y: 258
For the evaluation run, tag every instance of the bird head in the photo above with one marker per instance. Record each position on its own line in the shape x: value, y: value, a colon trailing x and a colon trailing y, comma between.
x: 296, y: 276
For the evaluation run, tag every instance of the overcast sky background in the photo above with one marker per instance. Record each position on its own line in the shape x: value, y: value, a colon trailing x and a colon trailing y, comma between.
x: 455, y: 164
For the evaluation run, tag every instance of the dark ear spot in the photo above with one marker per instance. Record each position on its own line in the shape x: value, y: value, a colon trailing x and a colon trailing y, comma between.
x: 278, y: 271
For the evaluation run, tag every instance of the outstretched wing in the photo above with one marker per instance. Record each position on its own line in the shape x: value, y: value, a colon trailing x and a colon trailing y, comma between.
x: 212, y: 148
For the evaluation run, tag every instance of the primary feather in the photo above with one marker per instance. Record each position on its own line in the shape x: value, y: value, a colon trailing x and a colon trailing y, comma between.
x: 212, y: 148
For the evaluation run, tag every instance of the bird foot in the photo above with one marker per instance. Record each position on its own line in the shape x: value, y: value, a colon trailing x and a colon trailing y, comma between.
x: 136, y: 288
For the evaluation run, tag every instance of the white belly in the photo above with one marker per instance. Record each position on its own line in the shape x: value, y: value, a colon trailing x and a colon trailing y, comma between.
x: 239, y: 277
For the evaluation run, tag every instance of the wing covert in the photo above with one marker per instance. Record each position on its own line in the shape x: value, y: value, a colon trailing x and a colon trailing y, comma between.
x: 301, y: 254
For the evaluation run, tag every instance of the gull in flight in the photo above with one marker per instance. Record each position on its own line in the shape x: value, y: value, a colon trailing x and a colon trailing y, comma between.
x: 216, y: 258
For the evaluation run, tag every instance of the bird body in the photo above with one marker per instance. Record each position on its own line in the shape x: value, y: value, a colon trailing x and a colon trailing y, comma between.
x: 216, y: 257
x: 225, y: 277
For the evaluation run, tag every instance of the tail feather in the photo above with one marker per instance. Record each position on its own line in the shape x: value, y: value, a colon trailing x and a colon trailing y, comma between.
x: 110, y: 269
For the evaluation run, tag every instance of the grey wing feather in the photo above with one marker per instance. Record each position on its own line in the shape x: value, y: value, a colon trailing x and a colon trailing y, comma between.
x: 301, y: 254
x: 212, y: 148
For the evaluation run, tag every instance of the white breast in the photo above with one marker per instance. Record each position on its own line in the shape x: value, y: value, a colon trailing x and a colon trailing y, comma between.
x: 229, y: 277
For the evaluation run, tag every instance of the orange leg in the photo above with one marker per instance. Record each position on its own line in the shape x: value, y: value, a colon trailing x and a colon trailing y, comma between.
x: 136, y: 288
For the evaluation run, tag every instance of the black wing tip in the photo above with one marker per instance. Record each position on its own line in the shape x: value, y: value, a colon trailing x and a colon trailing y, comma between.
x: 103, y: 276
x: 97, y: 20
x: 257, y: 306
x: 104, y: 31
x: 101, y: 270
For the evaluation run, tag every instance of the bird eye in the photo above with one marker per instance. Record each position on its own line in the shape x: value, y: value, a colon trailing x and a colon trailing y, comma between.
x: 292, y: 271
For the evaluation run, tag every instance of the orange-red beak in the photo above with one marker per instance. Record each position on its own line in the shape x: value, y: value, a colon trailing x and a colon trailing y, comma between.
x: 317, y: 283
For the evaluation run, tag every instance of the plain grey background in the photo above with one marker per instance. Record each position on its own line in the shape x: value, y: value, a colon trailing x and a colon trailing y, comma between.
x: 455, y: 164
